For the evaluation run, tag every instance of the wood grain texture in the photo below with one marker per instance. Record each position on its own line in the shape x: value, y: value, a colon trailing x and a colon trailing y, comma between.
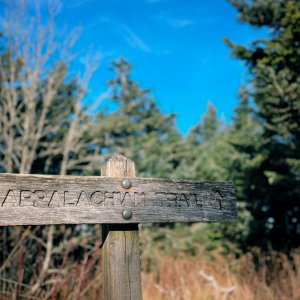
x: 38, y: 199
x: 121, y: 259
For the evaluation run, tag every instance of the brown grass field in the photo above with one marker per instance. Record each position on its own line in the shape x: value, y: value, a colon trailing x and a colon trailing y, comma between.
x: 185, y: 278
x: 178, y: 275
x: 210, y: 276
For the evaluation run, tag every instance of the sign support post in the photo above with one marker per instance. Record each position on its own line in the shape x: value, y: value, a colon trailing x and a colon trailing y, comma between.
x: 121, y: 258
x: 119, y: 201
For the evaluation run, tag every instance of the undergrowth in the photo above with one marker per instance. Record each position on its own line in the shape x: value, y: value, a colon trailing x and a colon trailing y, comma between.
x: 190, y: 272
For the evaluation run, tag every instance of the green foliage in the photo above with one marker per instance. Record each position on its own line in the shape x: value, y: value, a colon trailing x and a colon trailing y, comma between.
x: 259, y: 151
x: 213, y: 156
x: 170, y: 240
x: 37, y: 108
x: 269, y: 172
x: 138, y: 129
x: 207, y: 129
x: 207, y: 149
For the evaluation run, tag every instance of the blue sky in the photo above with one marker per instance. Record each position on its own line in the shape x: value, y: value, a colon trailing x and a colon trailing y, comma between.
x: 175, y: 46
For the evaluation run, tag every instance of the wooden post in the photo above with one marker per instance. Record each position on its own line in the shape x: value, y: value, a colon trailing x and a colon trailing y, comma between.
x: 121, y: 258
x: 119, y: 200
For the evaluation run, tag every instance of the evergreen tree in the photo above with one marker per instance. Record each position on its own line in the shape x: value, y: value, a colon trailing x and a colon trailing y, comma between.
x: 205, y: 130
x: 137, y: 128
x: 207, y: 148
x: 270, y: 139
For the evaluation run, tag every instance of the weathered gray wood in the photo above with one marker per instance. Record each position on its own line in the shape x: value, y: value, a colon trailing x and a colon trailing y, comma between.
x: 121, y: 259
x: 38, y: 199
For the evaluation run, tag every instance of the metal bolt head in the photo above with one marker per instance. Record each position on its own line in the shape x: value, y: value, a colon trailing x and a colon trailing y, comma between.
x: 126, y: 183
x: 127, y: 214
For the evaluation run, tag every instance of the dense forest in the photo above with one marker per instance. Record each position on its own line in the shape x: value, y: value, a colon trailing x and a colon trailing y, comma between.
x: 46, y: 127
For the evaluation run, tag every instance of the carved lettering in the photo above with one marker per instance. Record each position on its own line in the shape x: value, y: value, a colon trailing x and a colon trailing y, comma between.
x: 218, y: 197
x: 117, y: 196
x: 126, y: 200
x: 55, y: 200
x: 159, y: 199
x: 170, y: 200
x: 26, y: 198
x: 82, y: 199
x: 198, y: 201
x: 109, y: 198
x: 97, y: 198
x: 184, y: 200
x: 65, y: 199
x: 10, y: 199
x: 139, y: 199
x: 41, y: 198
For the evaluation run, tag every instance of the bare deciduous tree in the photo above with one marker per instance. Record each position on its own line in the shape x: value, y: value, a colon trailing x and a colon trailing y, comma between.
x: 42, y: 115
x: 32, y: 72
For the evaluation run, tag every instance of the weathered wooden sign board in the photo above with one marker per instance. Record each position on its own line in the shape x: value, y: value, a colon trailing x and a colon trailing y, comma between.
x: 37, y: 199
x: 119, y: 200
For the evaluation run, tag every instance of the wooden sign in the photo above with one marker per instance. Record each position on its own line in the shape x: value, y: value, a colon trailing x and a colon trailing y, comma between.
x: 120, y: 201
x: 38, y: 199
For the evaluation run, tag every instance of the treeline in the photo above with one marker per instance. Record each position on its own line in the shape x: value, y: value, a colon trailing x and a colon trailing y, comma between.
x: 46, y: 127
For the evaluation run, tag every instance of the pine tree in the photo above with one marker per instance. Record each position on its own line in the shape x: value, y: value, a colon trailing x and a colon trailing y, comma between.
x: 137, y: 128
x: 205, y: 130
x: 271, y: 149
x: 212, y: 156
x: 207, y: 148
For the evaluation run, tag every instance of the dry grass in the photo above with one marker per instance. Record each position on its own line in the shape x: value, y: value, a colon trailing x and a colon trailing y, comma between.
x: 203, y: 276
x: 182, y: 278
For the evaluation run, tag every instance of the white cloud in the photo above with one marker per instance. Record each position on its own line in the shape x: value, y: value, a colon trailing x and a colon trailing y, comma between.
x: 96, y: 23
x: 175, y: 22
x: 153, y: 1
x: 180, y: 23
x: 134, y: 40
x: 77, y: 3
